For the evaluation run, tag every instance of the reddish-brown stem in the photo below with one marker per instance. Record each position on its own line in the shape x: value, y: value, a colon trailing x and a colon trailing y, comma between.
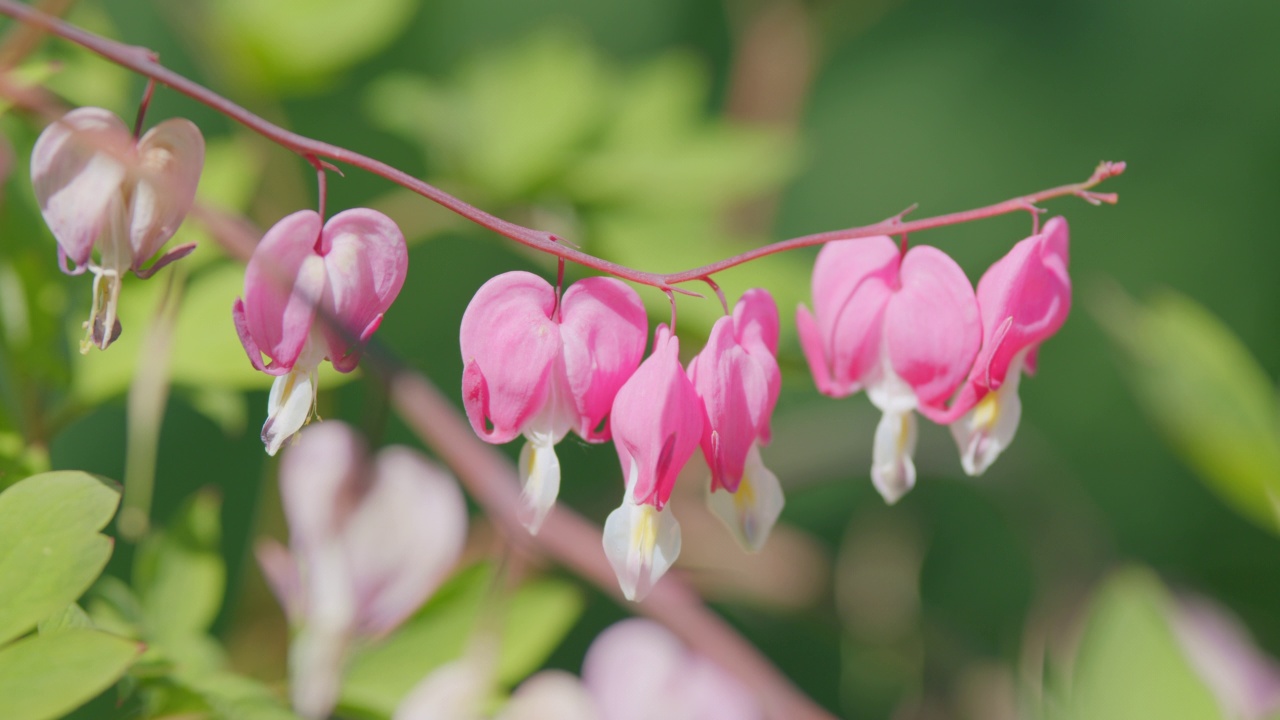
x: 141, y: 61
x: 142, y: 108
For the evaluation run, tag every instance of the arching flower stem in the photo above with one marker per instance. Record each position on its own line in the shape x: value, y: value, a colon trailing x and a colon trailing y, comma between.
x: 142, y: 61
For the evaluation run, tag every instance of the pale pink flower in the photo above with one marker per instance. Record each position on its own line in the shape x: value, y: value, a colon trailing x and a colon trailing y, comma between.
x: 1245, y: 681
x: 369, y: 541
x: 904, y: 327
x: 314, y: 293
x: 99, y: 189
x: 536, y: 367
x: 657, y: 426
x: 638, y: 670
x: 737, y: 377
x: 1023, y: 299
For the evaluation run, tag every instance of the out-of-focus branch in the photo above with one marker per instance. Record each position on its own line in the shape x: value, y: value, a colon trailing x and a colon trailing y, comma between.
x: 142, y: 61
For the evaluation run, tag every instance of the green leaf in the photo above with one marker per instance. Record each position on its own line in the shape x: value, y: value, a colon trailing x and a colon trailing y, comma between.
x: 539, y: 615
x: 46, y: 676
x: 295, y: 46
x: 234, y: 697
x: 179, y: 574
x: 72, y: 617
x: 1208, y: 395
x: 1129, y: 664
x: 533, y: 621
x: 50, y: 547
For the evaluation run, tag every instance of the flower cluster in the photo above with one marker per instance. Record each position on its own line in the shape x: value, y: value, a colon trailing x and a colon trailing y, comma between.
x: 101, y: 189
x: 909, y: 329
x: 539, y: 365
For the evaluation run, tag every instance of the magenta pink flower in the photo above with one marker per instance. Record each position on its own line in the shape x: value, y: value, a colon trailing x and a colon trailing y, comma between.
x: 536, y: 368
x: 315, y: 293
x: 369, y: 541
x: 1023, y: 298
x: 903, y: 327
x: 98, y: 188
x: 737, y: 377
x: 657, y: 426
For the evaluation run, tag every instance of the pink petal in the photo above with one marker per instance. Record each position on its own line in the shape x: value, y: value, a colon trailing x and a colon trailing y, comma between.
x: 852, y: 282
x: 509, y: 343
x: 403, y: 538
x: 322, y: 478
x: 637, y: 669
x: 1030, y: 287
x: 604, y: 327
x: 282, y: 283
x: 551, y: 694
x: 755, y: 320
x: 169, y: 160
x: 657, y: 421
x: 932, y: 327
x: 365, y: 260
x: 77, y: 167
x: 734, y: 388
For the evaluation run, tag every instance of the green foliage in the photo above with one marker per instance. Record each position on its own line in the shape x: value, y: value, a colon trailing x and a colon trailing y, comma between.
x: 50, y: 547
x: 530, y: 623
x: 295, y: 46
x: 625, y: 163
x: 1216, y: 406
x: 1129, y: 664
x: 47, y: 675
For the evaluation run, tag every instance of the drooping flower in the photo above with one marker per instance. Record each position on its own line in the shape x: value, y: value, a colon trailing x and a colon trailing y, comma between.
x: 314, y: 293
x: 904, y: 327
x: 100, y: 189
x: 1023, y: 299
x: 657, y: 426
x: 541, y: 368
x: 737, y: 377
x: 369, y: 541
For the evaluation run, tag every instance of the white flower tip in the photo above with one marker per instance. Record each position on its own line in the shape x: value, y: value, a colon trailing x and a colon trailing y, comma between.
x: 986, y: 430
x: 641, y: 543
x: 540, y: 476
x: 292, y: 397
x: 751, y: 512
x: 316, y: 659
x: 893, y: 472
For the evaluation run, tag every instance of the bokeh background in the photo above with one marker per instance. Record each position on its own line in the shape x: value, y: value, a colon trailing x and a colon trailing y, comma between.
x: 670, y: 133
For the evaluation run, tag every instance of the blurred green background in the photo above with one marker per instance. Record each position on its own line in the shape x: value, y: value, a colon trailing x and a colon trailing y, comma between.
x: 670, y: 133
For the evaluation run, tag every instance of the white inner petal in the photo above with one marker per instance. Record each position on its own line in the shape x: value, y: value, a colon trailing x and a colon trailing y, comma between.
x: 540, y: 477
x: 641, y: 543
x: 892, y: 469
x: 751, y: 512
x: 293, y: 396
x: 986, y: 430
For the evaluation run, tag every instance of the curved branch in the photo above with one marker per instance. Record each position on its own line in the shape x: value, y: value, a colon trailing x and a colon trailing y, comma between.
x: 141, y: 61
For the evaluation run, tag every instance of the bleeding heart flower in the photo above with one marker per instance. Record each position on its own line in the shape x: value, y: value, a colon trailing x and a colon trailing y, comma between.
x: 98, y: 188
x: 369, y: 542
x: 737, y: 377
x: 904, y: 327
x: 1023, y: 298
x: 541, y: 368
x: 315, y: 293
x: 657, y: 425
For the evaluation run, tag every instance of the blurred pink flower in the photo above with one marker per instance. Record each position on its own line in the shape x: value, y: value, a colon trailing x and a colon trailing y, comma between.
x: 1245, y: 681
x: 1023, y: 299
x: 314, y: 293
x: 541, y: 368
x: 657, y: 425
x: 638, y: 670
x: 100, y: 189
x: 903, y: 327
x: 369, y: 541
x: 634, y: 670
x: 736, y: 375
